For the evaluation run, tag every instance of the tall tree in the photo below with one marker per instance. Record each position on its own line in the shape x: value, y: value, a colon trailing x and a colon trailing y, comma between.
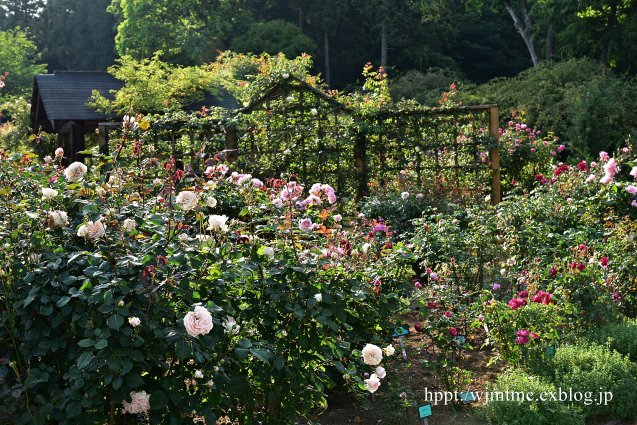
x: 78, y: 34
x: 19, y: 13
x: 18, y: 57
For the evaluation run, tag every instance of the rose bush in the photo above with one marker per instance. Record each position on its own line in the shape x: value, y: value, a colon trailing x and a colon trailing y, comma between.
x: 130, y: 296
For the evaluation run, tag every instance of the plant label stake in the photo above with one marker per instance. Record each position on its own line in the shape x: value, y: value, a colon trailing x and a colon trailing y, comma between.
x: 424, y: 412
x: 399, y: 333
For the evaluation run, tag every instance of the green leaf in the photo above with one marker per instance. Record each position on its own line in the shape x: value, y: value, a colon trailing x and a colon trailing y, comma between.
x: 84, y: 359
x: 158, y: 400
x: 183, y: 349
x: 86, y: 343
x: 115, y: 322
x: 101, y: 344
x: 262, y: 354
x: 63, y: 301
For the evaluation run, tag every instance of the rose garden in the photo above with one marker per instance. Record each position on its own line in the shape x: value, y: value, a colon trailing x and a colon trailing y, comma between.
x: 171, y: 276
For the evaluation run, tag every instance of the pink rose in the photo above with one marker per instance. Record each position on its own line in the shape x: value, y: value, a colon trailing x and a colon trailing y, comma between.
x: 198, y: 322
x: 603, y: 156
x: 631, y: 189
x: 306, y: 224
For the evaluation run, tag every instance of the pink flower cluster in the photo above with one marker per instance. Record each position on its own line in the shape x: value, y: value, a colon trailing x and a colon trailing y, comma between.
x: 516, y: 303
x: 543, y: 298
x: 610, y: 170
x: 523, y: 336
x: 319, y: 189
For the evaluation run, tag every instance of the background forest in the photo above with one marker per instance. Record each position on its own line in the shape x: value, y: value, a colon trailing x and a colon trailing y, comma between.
x: 563, y: 65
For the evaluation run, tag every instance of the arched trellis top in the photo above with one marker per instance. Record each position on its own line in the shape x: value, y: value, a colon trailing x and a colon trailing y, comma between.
x: 339, y: 143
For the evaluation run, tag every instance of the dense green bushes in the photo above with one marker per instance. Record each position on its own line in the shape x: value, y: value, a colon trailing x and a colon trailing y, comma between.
x: 587, y: 106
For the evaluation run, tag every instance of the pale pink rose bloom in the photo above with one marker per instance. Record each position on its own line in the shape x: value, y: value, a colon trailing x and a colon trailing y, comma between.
x: 631, y: 189
x: 591, y: 178
x: 633, y: 172
x: 95, y: 230
x: 134, y: 321
x: 48, y: 159
x: 372, y: 355
x: 337, y: 218
x: 606, y: 179
x: 198, y: 322
x: 277, y: 202
x: 610, y: 168
x: 593, y: 164
x: 380, y: 372
x: 257, y: 184
x: 306, y: 224
x: 603, y: 156
x: 372, y: 383
x: 311, y: 200
x: 75, y: 171
x: 59, y: 153
x: 140, y: 403
x: 634, y: 203
x: 187, y: 200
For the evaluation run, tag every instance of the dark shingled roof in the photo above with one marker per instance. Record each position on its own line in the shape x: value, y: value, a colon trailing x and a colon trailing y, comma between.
x: 65, y: 94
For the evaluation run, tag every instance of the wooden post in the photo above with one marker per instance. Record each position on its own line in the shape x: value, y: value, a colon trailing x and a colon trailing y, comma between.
x: 360, y: 159
x: 494, y: 155
x: 231, y: 145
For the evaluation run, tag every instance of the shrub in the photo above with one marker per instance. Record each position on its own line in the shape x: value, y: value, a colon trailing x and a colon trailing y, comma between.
x: 537, y: 412
x: 593, y: 370
x: 621, y: 337
x: 394, y: 209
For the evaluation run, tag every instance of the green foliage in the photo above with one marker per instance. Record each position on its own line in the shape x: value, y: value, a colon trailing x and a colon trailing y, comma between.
x: 20, y: 58
x: 424, y: 87
x: 512, y: 411
x: 585, y: 105
x: 620, y: 337
x: 595, y: 369
x: 395, y: 210
x: 152, y: 85
x: 16, y: 127
x: 274, y: 37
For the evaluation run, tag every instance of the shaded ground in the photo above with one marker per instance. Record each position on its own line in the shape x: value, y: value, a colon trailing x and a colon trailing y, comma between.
x: 414, y: 378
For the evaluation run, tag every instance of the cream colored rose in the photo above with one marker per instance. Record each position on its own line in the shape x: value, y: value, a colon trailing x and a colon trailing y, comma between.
x: 48, y: 159
x: 269, y: 252
x: 48, y: 193
x: 128, y: 225
x: 230, y: 326
x: 140, y: 403
x: 92, y: 230
x: 134, y: 321
x: 100, y: 191
x: 389, y: 350
x: 218, y: 223
x: 372, y: 354
x: 211, y: 202
x: 59, y: 153
x: 57, y: 219
x: 198, y: 322
x: 75, y: 171
x: 372, y: 383
x: 187, y: 200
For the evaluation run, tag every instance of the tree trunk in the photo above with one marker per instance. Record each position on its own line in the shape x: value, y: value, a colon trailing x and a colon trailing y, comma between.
x: 604, y: 42
x: 383, y: 37
x: 524, y: 26
x: 550, y: 41
x: 326, y: 54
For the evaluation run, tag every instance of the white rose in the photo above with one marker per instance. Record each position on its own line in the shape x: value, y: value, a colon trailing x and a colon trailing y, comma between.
x: 82, y: 231
x: 218, y: 223
x: 318, y: 297
x: 48, y: 193
x: 198, y: 374
x: 139, y: 404
x: 75, y: 171
x: 211, y: 202
x: 134, y: 321
x: 314, y: 111
x: 48, y: 159
x: 365, y: 247
x: 269, y: 252
x: 187, y: 200
x: 372, y: 354
x: 183, y: 237
x: 380, y: 371
x: 129, y: 225
x: 198, y: 322
x: 404, y: 195
x: 57, y: 219
x: 230, y: 326
x: 389, y: 350
x: 59, y: 153
x: 372, y: 383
